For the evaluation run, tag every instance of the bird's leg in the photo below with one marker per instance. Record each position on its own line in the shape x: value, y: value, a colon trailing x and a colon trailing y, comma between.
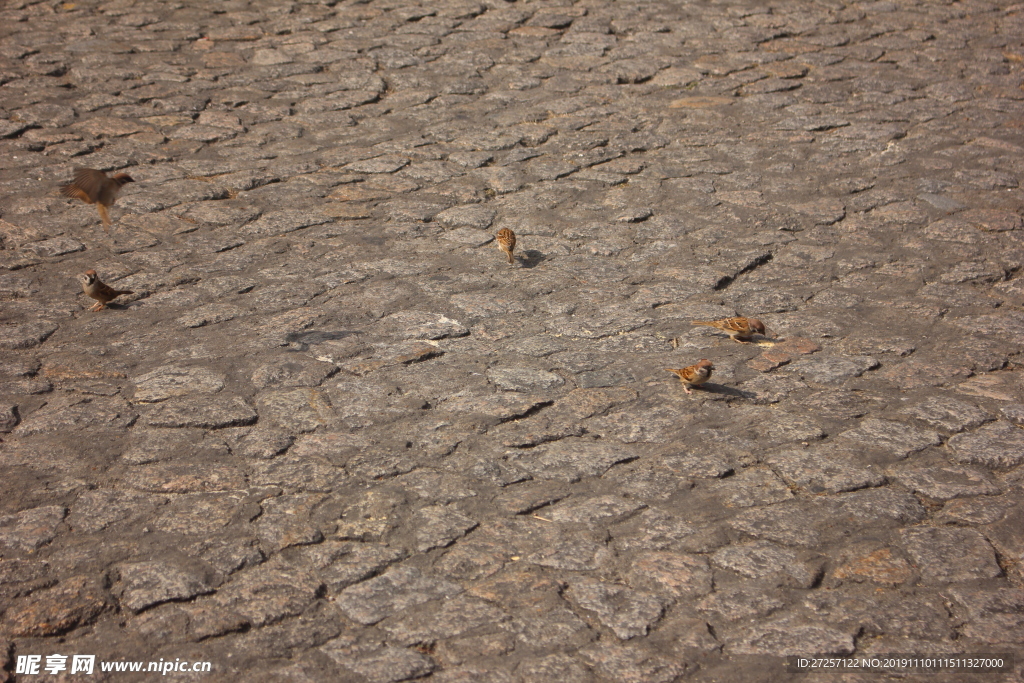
x: 104, y: 215
x: 98, y: 306
x: 687, y: 389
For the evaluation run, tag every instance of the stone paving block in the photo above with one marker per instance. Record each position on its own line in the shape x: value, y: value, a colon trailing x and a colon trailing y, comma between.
x: 897, y: 438
x: 438, y: 526
x: 142, y: 584
x: 627, y: 612
x: 995, y: 615
x: 524, y: 379
x: 997, y: 446
x: 386, y: 665
x: 208, y: 413
x: 336, y: 376
x: 813, y: 470
x: 266, y: 594
x: 75, y: 601
x: 944, y: 483
x: 30, y: 529
x: 171, y: 380
x: 673, y: 575
x: 454, y: 618
x: 950, y: 555
x: 390, y: 593
x: 788, y: 637
x: 25, y: 336
x: 202, y: 513
x: 949, y: 413
x: 571, y: 459
x: 750, y: 487
x: 741, y: 602
x: 192, y: 475
x: 633, y: 663
x: 97, y: 509
x: 831, y: 370
x: 764, y: 561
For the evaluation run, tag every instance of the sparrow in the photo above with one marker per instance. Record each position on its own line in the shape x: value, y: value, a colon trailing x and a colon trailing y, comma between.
x: 94, y: 187
x: 507, y: 243
x: 96, y: 289
x: 739, y: 329
x: 694, y: 375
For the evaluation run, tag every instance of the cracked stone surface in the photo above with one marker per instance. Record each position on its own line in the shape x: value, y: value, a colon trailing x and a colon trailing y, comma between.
x: 333, y: 435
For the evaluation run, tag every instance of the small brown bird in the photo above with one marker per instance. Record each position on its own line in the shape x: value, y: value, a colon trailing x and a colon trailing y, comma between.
x: 94, y: 187
x: 507, y: 243
x: 96, y: 289
x: 694, y: 375
x: 741, y: 330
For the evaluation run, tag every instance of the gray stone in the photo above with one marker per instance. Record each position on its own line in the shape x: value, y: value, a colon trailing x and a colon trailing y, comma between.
x: 633, y: 663
x: 474, y: 216
x: 292, y: 372
x: 25, y: 336
x: 296, y: 410
x: 30, y: 529
x: 755, y: 486
x: 421, y: 325
x: 767, y: 562
x: 193, y: 514
x: 389, y: 163
x: 592, y: 510
x: 831, y: 370
x: 210, y: 314
x: 9, y: 417
x: 998, y: 446
x: 438, y: 526
x: 945, y: 483
x: 392, y: 592
x: 628, y: 613
x: 282, y: 222
x: 96, y: 510
x: 812, y: 470
x: 172, y: 380
x: 58, y: 246
x: 88, y: 414
x: 896, y: 438
x: 789, y: 638
x: 341, y: 563
x: 143, y: 584
x: 75, y: 601
x: 995, y: 615
x: 387, y: 665
x: 949, y: 413
x: 672, y: 575
x: 523, y: 379
x: 950, y: 555
x: 741, y: 602
x: 453, y: 618
x: 286, y: 522
x: 266, y: 594
x: 570, y: 459
x: 209, y: 413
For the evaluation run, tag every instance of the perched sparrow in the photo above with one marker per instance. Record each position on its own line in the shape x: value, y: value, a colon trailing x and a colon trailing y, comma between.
x: 740, y: 329
x: 507, y: 243
x: 94, y: 288
x: 694, y: 375
x: 94, y: 187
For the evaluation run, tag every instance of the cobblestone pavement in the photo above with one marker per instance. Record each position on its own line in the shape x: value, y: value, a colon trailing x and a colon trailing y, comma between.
x: 333, y: 435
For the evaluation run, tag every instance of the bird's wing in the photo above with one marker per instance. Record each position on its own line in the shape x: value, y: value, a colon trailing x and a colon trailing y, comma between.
x: 89, y: 182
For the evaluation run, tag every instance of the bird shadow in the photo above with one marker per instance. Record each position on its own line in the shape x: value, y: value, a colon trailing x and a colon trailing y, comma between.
x: 722, y: 390
x: 531, y: 258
